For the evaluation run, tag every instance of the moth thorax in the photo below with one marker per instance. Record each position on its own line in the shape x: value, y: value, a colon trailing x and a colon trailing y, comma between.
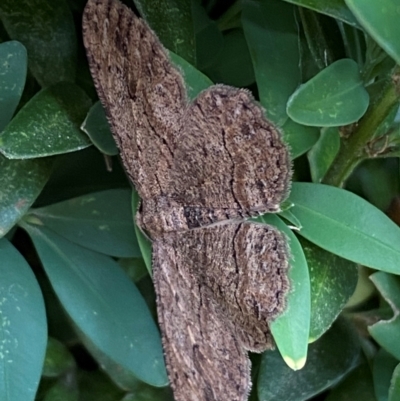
x: 161, y: 215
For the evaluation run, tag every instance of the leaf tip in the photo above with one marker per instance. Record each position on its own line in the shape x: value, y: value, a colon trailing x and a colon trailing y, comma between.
x: 295, y: 364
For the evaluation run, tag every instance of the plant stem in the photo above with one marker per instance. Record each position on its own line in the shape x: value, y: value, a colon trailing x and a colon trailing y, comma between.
x: 352, y: 149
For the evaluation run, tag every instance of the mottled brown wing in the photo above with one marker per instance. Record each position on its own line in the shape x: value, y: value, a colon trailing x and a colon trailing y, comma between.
x: 246, y: 267
x: 229, y: 155
x: 142, y: 93
x: 217, y: 290
x: 205, y: 361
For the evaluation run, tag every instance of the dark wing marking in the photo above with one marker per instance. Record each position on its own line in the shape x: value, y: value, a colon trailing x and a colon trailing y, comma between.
x: 142, y: 93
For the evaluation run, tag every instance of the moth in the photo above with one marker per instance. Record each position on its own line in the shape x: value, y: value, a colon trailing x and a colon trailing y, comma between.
x: 201, y: 169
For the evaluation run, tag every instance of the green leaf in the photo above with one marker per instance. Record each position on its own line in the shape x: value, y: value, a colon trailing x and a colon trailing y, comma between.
x: 65, y: 389
x: 334, y: 8
x: 318, y: 37
x: 323, y: 153
x: 103, y: 303
x: 335, y: 96
x: 384, y: 365
x: 48, y: 124
x: 135, y: 268
x: 394, y: 389
x: 58, y: 359
x: 272, y: 37
x: 173, y: 23
x: 21, y: 182
x: 13, y: 67
x: 356, y: 386
x: 143, y: 241
x: 291, y: 329
x: 100, y: 221
x: 364, y: 289
x: 386, y: 332
x: 381, y: 20
x: 82, y: 172
x: 98, y: 130
x: 233, y: 65
x: 353, y: 40
x: 329, y: 359
x: 195, y: 80
x: 23, y: 329
x: 300, y: 138
x: 122, y: 377
x: 209, y: 39
x: 98, y: 386
x: 374, y: 180
x: 47, y: 31
x: 333, y: 281
x: 147, y: 393
x: 346, y: 225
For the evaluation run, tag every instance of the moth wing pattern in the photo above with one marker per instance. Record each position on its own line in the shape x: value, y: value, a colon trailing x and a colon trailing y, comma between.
x: 229, y: 155
x: 215, y: 299
x: 204, y: 359
x: 143, y: 94
x: 216, y: 159
x: 245, y: 265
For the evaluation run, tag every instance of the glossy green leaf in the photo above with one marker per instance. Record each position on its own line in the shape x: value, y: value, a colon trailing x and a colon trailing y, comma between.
x: 143, y: 241
x: 233, y: 65
x: 333, y: 281
x: 104, y: 303
x: 23, y: 329
x: 383, y: 368
x: 21, y: 182
x: 47, y: 31
x: 346, y: 225
x: 48, y: 124
x: 299, y: 138
x: 13, y: 67
x: 272, y: 37
x: 394, y: 389
x: 381, y: 20
x: 323, y: 153
x: 329, y: 359
x: 195, y: 80
x: 386, y: 332
x: 173, y: 23
x: 122, y: 377
x: 97, y: 128
x: 58, y: 359
x: 356, y: 386
x: 335, y: 96
x: 291, y: 329
x: 334, y: 8
x: 100, y: 221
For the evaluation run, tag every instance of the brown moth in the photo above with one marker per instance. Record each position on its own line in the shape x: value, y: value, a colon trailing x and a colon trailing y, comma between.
x: 200, y: 169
